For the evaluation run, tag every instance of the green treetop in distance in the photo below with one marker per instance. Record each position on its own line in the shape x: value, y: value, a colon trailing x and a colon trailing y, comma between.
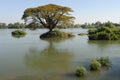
x: 49, y: 15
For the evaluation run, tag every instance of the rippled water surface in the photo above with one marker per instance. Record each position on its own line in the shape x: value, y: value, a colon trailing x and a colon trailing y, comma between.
x: 30, y: 58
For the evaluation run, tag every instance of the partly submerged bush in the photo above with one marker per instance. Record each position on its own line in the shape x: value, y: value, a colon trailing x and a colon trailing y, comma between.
x: 80, y: 71
x: 56, y: 34
x: 95, y: 65
x: 104, y: 61
x: 103, y: 36
x: 104, y: 33
x: 18, y: 32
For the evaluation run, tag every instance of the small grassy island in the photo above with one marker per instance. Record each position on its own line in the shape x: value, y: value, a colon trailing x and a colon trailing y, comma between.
x: 18, y: 33
x: 104, y: 33
x: 56, y: 34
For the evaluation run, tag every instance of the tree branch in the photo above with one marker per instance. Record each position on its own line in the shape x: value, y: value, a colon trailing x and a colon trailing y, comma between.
x: 40, y: 20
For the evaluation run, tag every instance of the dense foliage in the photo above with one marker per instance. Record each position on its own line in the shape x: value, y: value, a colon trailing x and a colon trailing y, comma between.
x: 104, y: 33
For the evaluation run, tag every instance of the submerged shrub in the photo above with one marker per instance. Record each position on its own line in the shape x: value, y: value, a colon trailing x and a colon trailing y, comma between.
x: 80, y: 71
x: 18, y: 32
x: 103, y: 36
x: 104, y: 33
x: 104, y: 61
x: 95, y: 65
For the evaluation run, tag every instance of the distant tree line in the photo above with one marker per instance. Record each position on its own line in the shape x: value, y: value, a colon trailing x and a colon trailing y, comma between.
x: 16, y: 25
x: 34, y: 25
x: 97, y: 24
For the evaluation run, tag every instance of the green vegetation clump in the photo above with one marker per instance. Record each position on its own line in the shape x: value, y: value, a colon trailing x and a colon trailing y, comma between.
x: 104, y: 33
x: 18, y: 33
x: 80, y: 71
x: 95, y: 65
x: 104, y: 61
x: 56, y: 34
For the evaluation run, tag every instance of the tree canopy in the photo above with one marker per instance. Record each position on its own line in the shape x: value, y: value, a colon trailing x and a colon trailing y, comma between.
x: 49, y: 15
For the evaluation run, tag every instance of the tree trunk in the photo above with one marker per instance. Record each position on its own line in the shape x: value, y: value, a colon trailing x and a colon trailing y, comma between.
x: 50, y: 29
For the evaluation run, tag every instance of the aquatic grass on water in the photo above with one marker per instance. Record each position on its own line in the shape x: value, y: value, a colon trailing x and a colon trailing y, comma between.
x: 95, y: 65
x: 104, y: 61
x: 80, y: 71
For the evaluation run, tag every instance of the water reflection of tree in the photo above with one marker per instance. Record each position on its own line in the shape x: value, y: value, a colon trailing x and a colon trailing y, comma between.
x: 49, y: 59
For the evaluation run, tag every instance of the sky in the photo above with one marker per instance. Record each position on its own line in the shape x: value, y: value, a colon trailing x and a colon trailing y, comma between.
x: 88, y: 11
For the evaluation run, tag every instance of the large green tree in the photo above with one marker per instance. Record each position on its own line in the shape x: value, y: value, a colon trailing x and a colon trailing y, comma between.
x: 49, y: 15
